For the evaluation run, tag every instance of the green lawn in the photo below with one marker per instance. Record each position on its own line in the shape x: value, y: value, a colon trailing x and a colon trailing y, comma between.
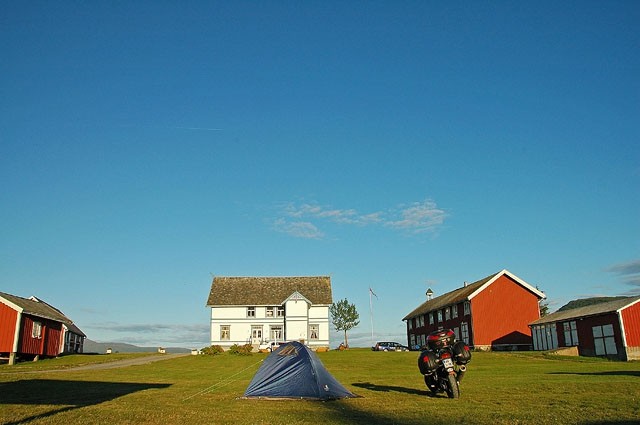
x: 499, y: 388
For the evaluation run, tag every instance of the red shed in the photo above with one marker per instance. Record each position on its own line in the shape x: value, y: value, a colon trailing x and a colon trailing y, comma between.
x: 492, y: 313
x: 31, y: 328
x: 609, y: 329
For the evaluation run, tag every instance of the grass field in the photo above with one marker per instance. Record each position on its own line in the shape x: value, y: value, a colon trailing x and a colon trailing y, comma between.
x: 499, y: 388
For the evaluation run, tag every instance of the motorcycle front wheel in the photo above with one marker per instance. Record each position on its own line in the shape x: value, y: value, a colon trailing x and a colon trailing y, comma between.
x: 453, y: 389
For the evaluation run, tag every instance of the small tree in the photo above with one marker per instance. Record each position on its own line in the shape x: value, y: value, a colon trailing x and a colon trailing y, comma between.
x: 345, y: 317
x: 544, y: 308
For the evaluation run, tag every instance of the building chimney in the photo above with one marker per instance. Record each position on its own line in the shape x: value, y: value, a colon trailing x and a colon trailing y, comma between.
x: 465, y: 283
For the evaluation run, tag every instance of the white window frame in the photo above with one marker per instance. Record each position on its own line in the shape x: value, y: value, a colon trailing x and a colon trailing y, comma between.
x: 251, y: 312
x: 447, y: 313
x: 431, y: 318
x: 225, y: 332
x: 314, y: 331
x: 36, y: 330
x: 467, y: 308
x: 280, y: 311
x: 439, y: 316
x: 276, y: 332
x: 454, y: 311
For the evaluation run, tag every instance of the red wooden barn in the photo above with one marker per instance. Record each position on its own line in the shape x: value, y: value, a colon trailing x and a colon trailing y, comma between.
x: 492, y: 313
x: 609, y: 329
x: 30, y: 328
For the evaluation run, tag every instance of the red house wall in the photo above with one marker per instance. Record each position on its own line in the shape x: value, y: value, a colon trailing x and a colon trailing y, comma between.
x: 7, y: 328
x: 501, y: 313
x: 49, y: 342
x: 631, y: 320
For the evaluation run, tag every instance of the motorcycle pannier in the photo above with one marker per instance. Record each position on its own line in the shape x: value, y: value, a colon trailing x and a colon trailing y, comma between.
x: 427, y: 362
x: 461, y: 352
x: 440, y: 339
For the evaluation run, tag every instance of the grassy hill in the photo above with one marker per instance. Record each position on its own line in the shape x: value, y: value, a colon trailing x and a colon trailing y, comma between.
x: 587, y: 301
x: 121, y: 347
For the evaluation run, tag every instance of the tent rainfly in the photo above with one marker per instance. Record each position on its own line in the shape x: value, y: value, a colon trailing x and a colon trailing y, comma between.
x: 294, y: 371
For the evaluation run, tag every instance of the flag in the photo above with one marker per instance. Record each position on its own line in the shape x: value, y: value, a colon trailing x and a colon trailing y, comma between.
x: 372, y: 293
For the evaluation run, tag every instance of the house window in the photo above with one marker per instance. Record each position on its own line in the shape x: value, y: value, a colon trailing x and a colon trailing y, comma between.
x: 431, y: 318
x: 280, y: 311
x: 410, y: 324
x: 421, y: 320
x: 275, y: 333
x: 314, y: 331
x: 570, y: 334
x: 604, y: 341
x: 36, y: 331
x: 467, y: 307
x: 454, y: 311
x: 464, y: 331
x: 447, y: 313
x: 439, y: 316
x: 251, y: 312
x: 225, y: 332
x: 271, y: 311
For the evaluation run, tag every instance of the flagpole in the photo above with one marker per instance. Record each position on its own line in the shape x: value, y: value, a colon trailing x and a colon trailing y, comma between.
x: 371, y: 315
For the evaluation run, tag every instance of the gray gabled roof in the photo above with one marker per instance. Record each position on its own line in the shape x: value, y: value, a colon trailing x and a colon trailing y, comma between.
x: 590, y: 310
x: 254, y: 291
x: 36, y: 307
x: 467, y: 293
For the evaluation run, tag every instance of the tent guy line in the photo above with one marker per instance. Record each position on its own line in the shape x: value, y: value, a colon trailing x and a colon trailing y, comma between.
x: 226, y: 381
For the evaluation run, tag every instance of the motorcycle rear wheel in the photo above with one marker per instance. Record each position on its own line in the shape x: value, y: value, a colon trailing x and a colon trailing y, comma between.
x: 453, y: 389
x: 431, y: 384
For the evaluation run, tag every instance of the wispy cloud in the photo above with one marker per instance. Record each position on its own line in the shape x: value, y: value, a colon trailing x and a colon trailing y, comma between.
x: 419, y: 217
x: 298, y: 229
x: 304, y: 220
x: 629, y: 272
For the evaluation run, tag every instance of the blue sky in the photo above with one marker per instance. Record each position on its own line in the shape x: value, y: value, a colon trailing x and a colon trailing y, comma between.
x: 147, y: 146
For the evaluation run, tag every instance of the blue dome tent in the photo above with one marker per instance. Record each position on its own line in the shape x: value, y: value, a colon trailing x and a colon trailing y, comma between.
x: 294, y: 371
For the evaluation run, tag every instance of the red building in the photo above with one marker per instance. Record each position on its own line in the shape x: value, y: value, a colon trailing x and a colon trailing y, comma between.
x: 30, y: 328
x: 609, y: 329
x: 492, y: 313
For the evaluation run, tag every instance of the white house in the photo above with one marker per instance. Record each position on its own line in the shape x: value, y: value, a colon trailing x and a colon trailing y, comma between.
x: 257, y: 310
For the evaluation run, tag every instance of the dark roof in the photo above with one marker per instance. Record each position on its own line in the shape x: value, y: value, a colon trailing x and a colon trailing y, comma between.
x: 268, y: 290
x: 454, y: 297
x: 38, y: 308
x: 466, y: 293
x: 590, y: 310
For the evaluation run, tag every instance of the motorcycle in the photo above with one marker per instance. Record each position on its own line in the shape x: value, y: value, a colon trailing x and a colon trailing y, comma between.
x: 444, y: 363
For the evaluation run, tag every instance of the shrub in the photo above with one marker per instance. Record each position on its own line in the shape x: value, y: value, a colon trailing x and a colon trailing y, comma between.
x: 241, y: 350
x: 213, y: 350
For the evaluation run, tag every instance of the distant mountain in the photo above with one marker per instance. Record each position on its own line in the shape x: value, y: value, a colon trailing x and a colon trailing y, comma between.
x: 121, y: 347
x: 587, y: 301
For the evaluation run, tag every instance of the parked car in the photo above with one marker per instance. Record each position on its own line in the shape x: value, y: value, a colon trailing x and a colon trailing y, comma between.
x: 268, y: 346
x: 389, y: 346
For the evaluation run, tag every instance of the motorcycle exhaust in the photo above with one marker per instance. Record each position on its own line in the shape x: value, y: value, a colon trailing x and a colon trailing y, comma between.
x: 461, y: 372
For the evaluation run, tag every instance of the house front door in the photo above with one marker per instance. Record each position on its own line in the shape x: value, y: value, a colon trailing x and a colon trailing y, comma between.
x: 256, y: 334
